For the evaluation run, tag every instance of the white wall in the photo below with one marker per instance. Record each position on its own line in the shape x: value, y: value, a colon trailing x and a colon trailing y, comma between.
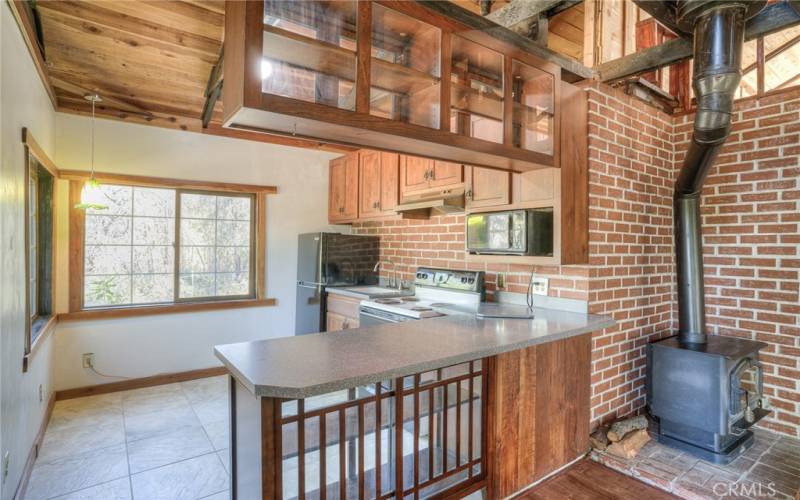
x: 138, y: 347
x: 23, y: 103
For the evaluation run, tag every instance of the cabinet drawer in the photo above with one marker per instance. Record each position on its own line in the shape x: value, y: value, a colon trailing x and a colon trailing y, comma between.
x: 346, y: 306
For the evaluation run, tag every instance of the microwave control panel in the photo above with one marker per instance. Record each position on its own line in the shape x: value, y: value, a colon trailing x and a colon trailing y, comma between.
x: 466, y: 281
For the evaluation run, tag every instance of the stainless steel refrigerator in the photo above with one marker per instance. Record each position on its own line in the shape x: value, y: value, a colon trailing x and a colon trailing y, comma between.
x: 330, y: 259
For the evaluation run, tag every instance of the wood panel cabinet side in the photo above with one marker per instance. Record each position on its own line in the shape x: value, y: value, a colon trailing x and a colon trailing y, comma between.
x: 335, y: 189
x: 574, y: 176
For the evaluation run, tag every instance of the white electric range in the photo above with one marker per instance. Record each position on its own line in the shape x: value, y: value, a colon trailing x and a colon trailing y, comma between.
x: 437, y: 292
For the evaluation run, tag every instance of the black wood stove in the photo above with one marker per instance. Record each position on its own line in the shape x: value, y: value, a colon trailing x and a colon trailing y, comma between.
x: 706, y: 396
x: 705, y: 392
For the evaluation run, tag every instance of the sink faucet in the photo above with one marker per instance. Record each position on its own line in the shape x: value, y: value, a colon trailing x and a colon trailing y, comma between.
x: 395, y: 282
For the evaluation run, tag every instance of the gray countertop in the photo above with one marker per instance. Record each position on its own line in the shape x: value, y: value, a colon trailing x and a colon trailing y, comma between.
x: 310, y: 365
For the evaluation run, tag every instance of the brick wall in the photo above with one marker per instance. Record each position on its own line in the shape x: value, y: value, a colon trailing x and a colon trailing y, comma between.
x: 750, y: 235
x: 751, y: 242
x: 630, y: 250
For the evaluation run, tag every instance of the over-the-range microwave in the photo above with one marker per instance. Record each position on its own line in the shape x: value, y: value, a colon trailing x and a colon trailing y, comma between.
x: 512, y: 232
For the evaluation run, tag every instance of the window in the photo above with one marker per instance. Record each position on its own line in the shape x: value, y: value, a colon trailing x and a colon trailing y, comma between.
x: 129, y: 249
x: 39, y: 234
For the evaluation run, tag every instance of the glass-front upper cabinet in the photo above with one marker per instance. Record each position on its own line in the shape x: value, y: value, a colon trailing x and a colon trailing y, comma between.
x: 309, y: 51
x: 533, y: 117
x: 405, y: 68
x: 476, y: 91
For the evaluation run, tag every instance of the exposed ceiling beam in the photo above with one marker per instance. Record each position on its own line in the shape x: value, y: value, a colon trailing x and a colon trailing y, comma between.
x: 775, y: 17
x: 574, y: 70
x: 663, y: 12
x: 523, y: 16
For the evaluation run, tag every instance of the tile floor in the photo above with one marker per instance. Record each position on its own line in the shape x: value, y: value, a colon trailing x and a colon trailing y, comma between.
x: 769, y: 469
x: 170, y: 442
x: 167, y: 442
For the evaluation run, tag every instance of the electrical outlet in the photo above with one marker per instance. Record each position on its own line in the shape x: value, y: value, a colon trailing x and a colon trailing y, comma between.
x: 6, y: 464
x: 501, y: 281
x: 88, y: 359
x: 539, y: 286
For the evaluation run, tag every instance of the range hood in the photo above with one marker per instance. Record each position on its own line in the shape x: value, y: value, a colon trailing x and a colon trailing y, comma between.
x: 423, y: 206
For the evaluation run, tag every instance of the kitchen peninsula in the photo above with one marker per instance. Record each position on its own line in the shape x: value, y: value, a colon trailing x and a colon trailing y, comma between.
x: 494, y: 403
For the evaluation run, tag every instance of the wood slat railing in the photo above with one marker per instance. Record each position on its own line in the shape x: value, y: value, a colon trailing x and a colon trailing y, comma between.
x: 422, y: 435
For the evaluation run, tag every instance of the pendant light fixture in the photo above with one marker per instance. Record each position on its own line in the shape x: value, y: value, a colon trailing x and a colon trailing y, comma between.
x: 92, y: 196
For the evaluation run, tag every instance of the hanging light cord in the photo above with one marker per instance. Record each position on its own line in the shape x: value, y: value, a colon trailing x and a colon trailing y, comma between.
x: 94, y: 100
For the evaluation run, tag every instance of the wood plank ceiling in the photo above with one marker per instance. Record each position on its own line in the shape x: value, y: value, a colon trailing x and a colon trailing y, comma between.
x: 150, y: 60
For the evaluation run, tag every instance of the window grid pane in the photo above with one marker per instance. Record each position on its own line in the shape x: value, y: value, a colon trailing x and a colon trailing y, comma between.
x: 129, y: 248
x: 215, y: 246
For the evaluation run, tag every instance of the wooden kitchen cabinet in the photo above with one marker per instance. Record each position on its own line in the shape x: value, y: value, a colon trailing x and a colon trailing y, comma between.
x: 335, y: 322
x: 343, y: 189
x: 379, y: 183
x: 393, y: 76
x: 414, y: 174
x: 486, y: 187
x: 421, y: 174
x: 342, y: 312
x: 446, y: 174
x: 535, y: 186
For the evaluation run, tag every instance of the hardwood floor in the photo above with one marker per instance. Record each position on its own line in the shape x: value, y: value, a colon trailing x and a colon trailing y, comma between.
x: 588, y: 480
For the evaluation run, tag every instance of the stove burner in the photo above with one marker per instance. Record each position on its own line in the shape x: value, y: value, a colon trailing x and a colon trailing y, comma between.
x: 441, y: 304
x: 420, y: 308
x: 409, y: 299
x: 388, y: 301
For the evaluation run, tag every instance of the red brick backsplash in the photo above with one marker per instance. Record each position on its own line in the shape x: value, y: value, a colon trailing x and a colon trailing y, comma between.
x: 751, y: 240
x: 439, y: 242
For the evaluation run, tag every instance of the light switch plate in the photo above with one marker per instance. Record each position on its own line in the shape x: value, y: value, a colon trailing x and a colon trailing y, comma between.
x: 539, y: 286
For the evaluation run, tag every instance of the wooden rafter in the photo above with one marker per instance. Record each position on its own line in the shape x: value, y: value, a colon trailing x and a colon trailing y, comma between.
x: 775, y: 17
x: 213, y: 90
x: 774, y: 53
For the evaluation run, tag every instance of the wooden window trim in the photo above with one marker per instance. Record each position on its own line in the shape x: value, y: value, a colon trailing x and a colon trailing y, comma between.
x: 77, y: 235
x: 32, y: 148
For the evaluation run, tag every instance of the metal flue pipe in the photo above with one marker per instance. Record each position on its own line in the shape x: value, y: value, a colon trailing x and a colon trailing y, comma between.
x: 718, y: 29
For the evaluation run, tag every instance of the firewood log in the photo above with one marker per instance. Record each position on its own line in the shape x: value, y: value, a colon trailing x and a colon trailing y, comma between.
x: 599, y: 439
x: 620, y: 428
x: 630, y: 445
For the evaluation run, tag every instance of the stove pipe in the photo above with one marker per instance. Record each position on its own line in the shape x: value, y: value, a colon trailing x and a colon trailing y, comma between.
x: 718, y: 38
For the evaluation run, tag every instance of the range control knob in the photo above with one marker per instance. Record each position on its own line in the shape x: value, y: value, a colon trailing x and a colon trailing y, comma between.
x: 464, y: 280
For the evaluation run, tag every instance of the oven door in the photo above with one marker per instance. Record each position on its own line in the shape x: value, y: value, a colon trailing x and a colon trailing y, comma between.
x: 368, y: 316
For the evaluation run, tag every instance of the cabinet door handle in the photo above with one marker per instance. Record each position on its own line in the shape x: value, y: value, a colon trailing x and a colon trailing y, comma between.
x: 469, y: 194
x: 345, y: 325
